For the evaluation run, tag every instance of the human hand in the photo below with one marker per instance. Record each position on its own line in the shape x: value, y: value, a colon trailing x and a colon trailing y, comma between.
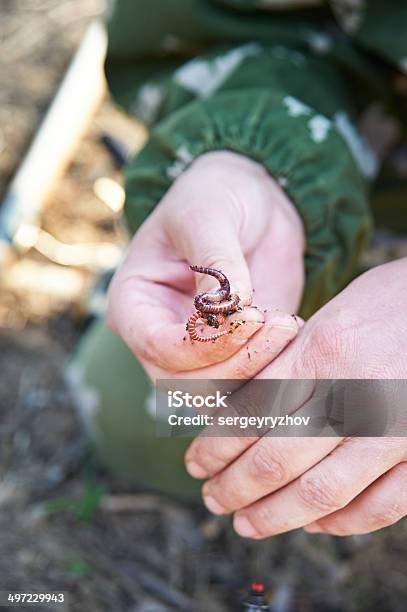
x: 225, y: 212
x: 341, y: 486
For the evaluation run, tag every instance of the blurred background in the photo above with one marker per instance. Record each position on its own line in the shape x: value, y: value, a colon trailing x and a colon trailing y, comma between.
x: 66, y: 524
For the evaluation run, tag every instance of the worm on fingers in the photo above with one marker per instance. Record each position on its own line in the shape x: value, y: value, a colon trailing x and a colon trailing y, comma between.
x: 212, y: 307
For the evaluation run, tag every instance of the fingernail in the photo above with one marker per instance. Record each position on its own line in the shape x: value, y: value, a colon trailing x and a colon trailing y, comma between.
x: 249, y: 314
x: 245, y: 295
x: 213, y: 505
x: 195, y: 470
x: 254, y: 314
x: 243, y: 527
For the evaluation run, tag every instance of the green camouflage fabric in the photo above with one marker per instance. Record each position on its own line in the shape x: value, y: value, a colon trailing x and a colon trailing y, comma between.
x: 117, y: 403
x: 315, y: 91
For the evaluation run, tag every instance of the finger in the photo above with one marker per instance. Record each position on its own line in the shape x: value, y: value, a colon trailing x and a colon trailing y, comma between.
x: 325, y: 488
x: 155, y: 334
x: 211, y: 451
x: 267, y: 466
x: 380, y: 505
x: 150, y: 316
x: 273, y: 287
x: 261, y: 348
x: 218, y: 247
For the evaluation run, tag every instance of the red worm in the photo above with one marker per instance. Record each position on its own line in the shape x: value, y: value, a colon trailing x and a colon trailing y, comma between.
x: 221, y: 294
x: 212, y: 304
x: 193, y: 334
x: 216, y: 308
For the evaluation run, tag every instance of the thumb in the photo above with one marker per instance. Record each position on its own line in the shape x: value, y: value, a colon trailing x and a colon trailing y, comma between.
x: 217, y: 245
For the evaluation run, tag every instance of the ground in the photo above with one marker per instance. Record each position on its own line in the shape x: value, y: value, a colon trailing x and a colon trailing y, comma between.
x: 66, y: 524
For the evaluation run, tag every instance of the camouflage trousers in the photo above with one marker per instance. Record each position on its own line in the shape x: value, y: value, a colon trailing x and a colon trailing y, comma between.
x: 117, y: 404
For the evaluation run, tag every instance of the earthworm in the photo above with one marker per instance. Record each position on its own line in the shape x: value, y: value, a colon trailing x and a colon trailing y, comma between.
x: 193, y: 334
x: 212, y: 307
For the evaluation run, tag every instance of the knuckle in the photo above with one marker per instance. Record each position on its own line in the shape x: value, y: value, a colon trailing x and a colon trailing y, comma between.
x: 210, y: 461
x: 381, y: 514
x: 266, y: 464
x: 320, y: 493
x: 225, y: 494
x: 262, y: 519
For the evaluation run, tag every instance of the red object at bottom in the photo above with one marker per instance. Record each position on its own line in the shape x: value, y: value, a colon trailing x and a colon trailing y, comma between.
x: 256, y: 601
